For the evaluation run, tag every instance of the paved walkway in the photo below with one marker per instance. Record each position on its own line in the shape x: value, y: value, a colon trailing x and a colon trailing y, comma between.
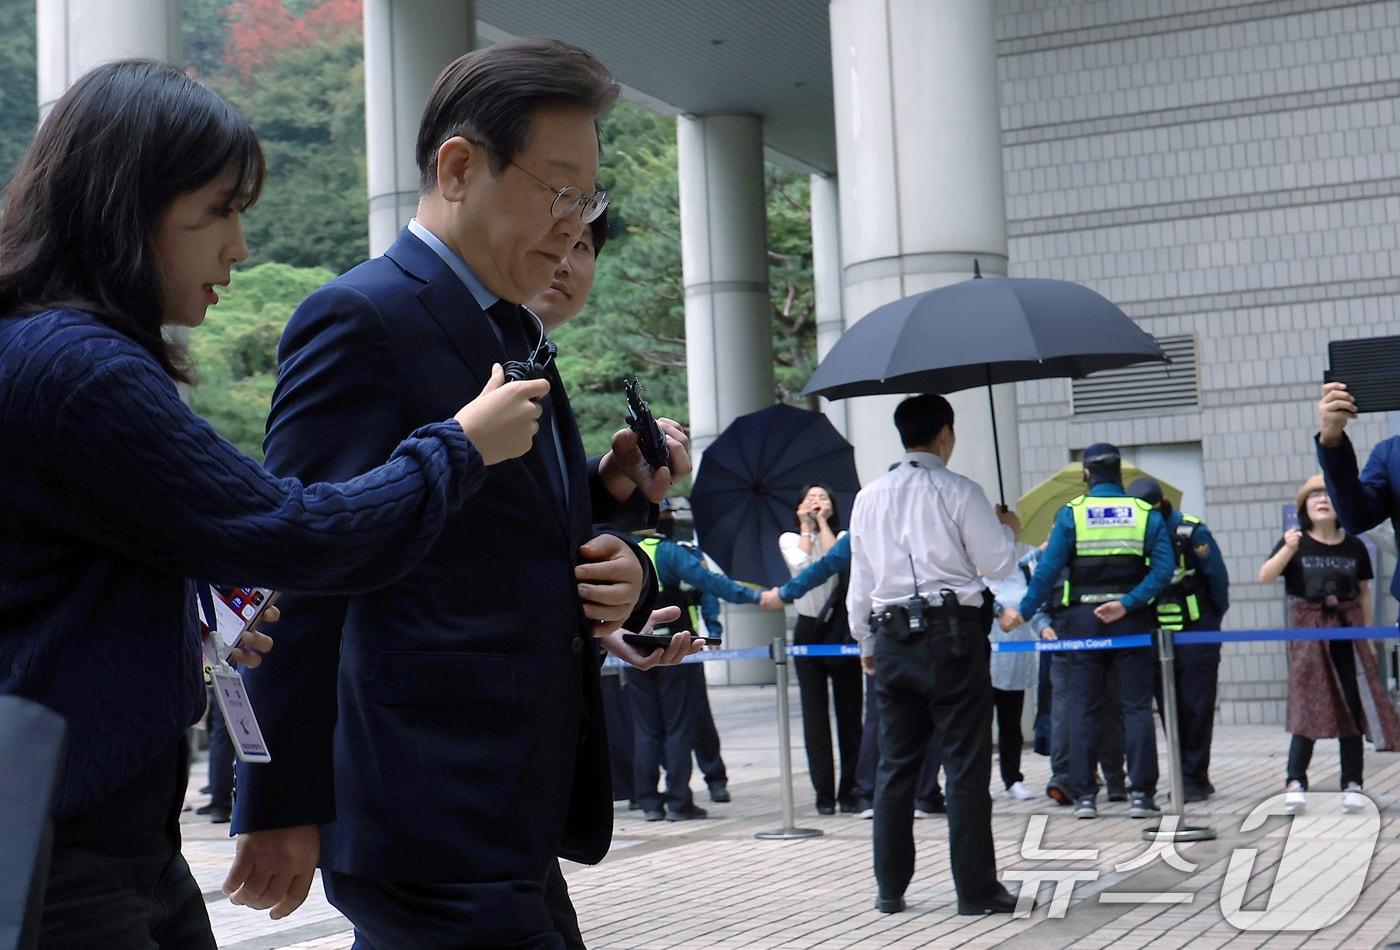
x: 711, y: 884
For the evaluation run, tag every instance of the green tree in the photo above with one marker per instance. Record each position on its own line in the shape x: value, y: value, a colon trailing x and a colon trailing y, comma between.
x: 203, y: 29
x: 308, y: 107
x: 19, y: 106
x: 235, y: 350
x: 634, y: 323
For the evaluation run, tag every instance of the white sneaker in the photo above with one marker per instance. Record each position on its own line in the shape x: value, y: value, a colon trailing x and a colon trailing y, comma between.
x: 867, y: 814
x: 1294, y: 798
x: 1353, y: 798
x: 920, y: 813
x: 1020, y: 792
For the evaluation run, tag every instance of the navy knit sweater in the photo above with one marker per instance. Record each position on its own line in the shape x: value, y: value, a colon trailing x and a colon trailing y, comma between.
x: 112, y: 494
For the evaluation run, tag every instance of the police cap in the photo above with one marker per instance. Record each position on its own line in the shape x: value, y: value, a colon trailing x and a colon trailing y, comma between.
x: 1101, y: 453
x: 1147, y: 489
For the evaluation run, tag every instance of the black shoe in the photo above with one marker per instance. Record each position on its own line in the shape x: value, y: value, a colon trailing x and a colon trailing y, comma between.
x: 657, y: 815
x: 1142, y: 805
x: 890, y: 905
x: 849, y: 808
x: 205, y: 789
x: 1194, y: 793
x: 688, y: 813
x: 219, y: 815
x: 210, y: 809
x: 719, y: 792
x: 823, y: 809
x: 999, y: 903
x: 1117, y: 793
x: 634, y: 806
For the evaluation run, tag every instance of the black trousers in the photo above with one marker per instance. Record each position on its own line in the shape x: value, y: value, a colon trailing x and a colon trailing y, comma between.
x: 221, y: 756
x: 928, y: 794
x: 1300, y: 750
x: 821, y: 681
x: 923, y: 693
x: 663, y: 721
x: 928, y: 790
x: 1089, y: 670
x: 1110, y: 719
x: 1008, y: 705
x: 707, y: 756
x: 116, y: 877
x: 864, y: 790
x: 1197, y: 675
x: 617, y: 715
x: 388, y: 916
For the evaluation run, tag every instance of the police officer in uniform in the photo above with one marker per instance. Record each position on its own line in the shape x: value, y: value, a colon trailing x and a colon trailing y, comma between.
x: 707, y: 746
x: 666, y: 704
x: 1119, y: 555
x: 1196, y: 599
x: 922, y: 540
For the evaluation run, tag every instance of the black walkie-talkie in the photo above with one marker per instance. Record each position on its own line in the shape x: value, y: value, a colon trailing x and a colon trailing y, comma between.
x: 915, y: 606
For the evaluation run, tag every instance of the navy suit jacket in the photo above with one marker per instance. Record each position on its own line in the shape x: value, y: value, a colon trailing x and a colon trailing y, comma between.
x: 1364, y: 500
x: 447, y: 727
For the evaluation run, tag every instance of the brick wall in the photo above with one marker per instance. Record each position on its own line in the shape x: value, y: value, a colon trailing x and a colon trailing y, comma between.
x: 1226, y: 169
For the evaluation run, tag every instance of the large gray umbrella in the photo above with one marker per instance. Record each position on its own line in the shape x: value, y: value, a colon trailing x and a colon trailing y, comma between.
x: 981, y: 333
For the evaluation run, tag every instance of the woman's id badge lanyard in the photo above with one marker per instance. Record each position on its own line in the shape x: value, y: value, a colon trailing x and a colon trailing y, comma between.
x: 225, y: 631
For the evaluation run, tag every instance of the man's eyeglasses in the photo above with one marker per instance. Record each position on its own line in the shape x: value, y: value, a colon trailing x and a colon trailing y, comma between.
x: 570, y: 198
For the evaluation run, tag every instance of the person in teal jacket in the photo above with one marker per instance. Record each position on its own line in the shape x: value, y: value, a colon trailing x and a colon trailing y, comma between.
x: 1119, y: 557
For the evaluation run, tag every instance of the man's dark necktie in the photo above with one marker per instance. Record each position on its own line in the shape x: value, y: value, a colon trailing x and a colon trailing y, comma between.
x: 517, y: 342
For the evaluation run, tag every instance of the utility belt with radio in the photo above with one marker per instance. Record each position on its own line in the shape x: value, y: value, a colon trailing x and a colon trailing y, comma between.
x: 916, y: 618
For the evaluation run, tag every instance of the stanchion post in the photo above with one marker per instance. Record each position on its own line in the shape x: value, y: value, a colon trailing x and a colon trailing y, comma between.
x: 1178, y: 830
x: 780, y: 661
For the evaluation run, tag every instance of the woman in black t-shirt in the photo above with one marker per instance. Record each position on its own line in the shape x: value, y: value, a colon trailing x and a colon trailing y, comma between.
x: 1326, y: 573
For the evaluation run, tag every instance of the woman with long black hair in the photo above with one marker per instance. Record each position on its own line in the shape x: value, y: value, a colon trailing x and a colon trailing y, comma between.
x: 824, y: 681
x: 120, y: 222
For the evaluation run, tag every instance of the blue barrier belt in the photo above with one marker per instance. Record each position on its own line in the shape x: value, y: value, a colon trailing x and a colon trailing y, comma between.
x: 711, y: 656
x: 1126, y: 641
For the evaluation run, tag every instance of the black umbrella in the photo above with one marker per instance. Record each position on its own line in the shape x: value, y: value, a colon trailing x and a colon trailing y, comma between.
x: 981, y: 333
x: 747, y: 487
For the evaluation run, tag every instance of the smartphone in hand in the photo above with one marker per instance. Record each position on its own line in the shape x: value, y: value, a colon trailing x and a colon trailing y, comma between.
x: 236, y: 611
x: 647, y: 642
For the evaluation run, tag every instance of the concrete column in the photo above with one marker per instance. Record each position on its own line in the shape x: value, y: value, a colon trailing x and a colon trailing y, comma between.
x: 407, y: 43
x: 919, y: 158
x: 73, y: 36
x: 826, y: 279
x: 728, y: 333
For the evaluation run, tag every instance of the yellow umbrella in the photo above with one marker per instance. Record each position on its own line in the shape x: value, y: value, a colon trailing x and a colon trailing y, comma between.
x: 1038, y: 507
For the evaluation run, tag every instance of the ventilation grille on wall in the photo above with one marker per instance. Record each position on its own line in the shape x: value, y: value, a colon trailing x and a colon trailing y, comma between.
x: 1147, y: 386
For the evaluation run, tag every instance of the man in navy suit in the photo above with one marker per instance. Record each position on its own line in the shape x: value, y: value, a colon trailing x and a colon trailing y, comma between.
x: 439, y: 742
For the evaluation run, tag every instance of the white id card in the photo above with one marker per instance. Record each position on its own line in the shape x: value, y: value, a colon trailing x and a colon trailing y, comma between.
x: 232, y: 696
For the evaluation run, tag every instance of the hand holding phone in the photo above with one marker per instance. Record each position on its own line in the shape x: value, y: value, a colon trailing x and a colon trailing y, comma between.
x: 229, y: 614
x: 647, y: 642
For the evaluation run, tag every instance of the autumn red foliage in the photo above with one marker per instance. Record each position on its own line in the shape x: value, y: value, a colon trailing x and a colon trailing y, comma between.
x: 258, y: 30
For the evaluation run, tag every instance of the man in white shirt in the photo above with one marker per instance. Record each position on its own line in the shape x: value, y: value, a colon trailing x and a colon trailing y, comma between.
x: 922, y: 540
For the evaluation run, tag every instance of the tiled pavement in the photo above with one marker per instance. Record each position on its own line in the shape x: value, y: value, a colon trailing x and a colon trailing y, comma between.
x: 704, y: 884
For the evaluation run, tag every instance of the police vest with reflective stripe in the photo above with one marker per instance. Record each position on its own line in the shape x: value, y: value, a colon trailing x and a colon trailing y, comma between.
x: 1110, y: 548
x: 667, y: 596
x: 1180, y: 603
